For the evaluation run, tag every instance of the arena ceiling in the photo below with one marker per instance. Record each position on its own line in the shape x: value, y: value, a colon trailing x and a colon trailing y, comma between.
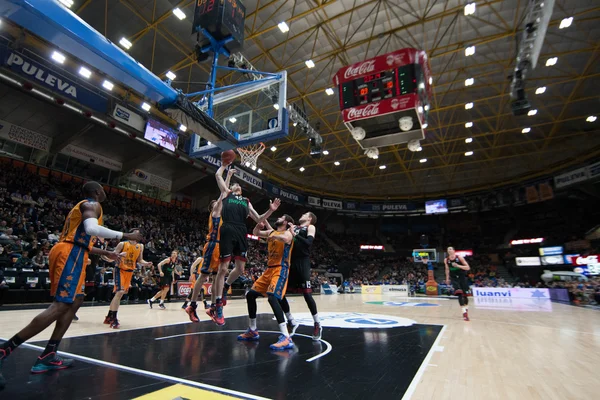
x: 336, y: 33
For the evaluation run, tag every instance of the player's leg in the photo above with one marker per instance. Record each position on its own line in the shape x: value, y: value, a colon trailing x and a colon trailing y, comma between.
x: 464, y: 285
x: 191, y: 309
x: 122, y: 283
x: 292, y: 325
x: 163, y: 296
x: 458, y: 291
x: 275, y: 292
x: 252, y: 333
x: 217, y: 313
x: 239, y: 253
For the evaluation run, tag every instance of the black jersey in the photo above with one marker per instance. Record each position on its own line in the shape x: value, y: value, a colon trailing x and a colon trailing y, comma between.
x: 235, y: 210
x: 168, y: 268
x: 301, y: 249
x: 453, y: 269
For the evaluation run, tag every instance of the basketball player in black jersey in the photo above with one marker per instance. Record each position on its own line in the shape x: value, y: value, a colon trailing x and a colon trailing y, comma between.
x: 235, y: 210
x: 299, y: 278
x: 456, y: 272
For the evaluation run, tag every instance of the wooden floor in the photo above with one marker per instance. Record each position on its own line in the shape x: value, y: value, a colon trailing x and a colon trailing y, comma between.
x: 509, y: 350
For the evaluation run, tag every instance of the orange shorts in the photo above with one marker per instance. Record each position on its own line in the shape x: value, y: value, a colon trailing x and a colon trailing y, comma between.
x: 273, y: 281
x: 122, y: 279
x: 210, y: 261
x: 67, y: 271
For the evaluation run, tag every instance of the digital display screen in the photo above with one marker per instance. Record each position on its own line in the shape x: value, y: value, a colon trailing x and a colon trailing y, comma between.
x: 161, y: 135
x: 569, y: 258
x: 378, y: 86
x: 234, y: 17
x: 551, y: 251
x: 420, y: 254
x: 436, y: 207
x: 528, y: 261
x: 553, y: 260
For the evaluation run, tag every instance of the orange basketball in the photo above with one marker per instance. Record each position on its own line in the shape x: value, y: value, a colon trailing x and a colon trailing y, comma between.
x: 228, y: 157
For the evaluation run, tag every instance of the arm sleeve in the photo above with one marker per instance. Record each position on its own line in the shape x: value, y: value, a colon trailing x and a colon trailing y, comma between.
x: 307, y: 241
x: 92, y: 228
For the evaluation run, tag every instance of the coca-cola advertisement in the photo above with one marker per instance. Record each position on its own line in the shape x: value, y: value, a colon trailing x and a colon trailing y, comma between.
x: 382, y: 107
x: 586, y: 260
x: 381, y: 63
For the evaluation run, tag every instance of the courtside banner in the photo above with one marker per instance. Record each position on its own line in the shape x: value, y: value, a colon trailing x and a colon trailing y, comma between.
x: 314, y: 201
x: 366, y: 289
x: 395, y: 289
x: 327, y: 203
x: 251, y: 179
x: 387, y: 207
x: 184, y: 288
x: 522, y: 293
x: 575, y: 176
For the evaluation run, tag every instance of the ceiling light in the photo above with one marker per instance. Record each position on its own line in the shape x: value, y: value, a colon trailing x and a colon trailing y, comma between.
x: 551, y: 61
x: 247, y: 164
x: 419, y: 148
x: 108, y: 85
x: 425, y: 125
x: 468, y: 106
x: 295, y: 124
x: 469, y: 153
x: 326, y: 152
x: 470, y: 8
x: 232, y: 120
x: 276, y: 106
x: 382, y: 167
x: 565, y: 23
x: 526, y: 130
x: 591, y: 118
x: 375, y: 157
x: 329, y: 91
x: 469, y: 51
x: 423, y: 160
x: 254, y: 168
x: 468, y: 125
x: 208, y: 143
x: 289, y: 159
x: 69, y: 3
x: 336, y: 163
x: 469, y: 140
x: 301, y: 169
x: 469, y: 82
x: 146, y: 106
x: 171, y: 76
x: 430, y: 80
x: 426, y: 107
x: 58, y: 57
x: 531, y: 113
x: 420, y: 109
x: 86, y: 73
x: 259, y: 171
x: 273, y: 148
x: 540, y: 90
x: 309, y: 63
x: 283, y: 27
x: 182, y: 128
x: 125, y: 43
x: 179, y: 14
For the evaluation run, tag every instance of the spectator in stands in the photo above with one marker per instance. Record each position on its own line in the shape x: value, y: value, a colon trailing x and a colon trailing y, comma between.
x: 24, y: 261
x: 42, y: 235
x: 136, y: 286
x: 101, y: 285
x: 19, y: 230
x: 54, y: 236
x: 3, y: 288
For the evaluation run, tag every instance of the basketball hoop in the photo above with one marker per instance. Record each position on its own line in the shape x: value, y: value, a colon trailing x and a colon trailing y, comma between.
x: 249, y: 154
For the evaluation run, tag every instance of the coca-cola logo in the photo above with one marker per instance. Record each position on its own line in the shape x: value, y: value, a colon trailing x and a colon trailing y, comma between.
x: 395, y: 104
x: 184, y: 290
x: 369, y: 111
x: 592, y: 259
x: 392, y: 59
x: 360, y: 69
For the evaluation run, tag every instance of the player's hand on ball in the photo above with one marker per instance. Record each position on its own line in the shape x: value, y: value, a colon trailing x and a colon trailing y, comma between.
x: 275, y: 204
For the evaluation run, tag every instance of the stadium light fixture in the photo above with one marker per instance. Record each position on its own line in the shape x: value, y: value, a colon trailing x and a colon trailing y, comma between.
x: 468, y: 106
x: 58, y: 57
x: 86, y: 73
x: 289, y: 159
x: 146, y: 107
x: 310, y: 63
x: 283, y: 27
x: 469, y: 82
x: 425, y: 125
x: 470, y: 8
x: 301, y: 169
x: 336, y: 163
x: 276, y: 106
x: 565, y: 23
x: 540, y: 90
x: 329, y: 91
x: 423, y: 160
x: 273, y: 148
x: 551, y: 61
x: 179, y: 14
x: 469, y: 51
x: 382, y: 167
x: 69, y: 3
x: 171, y: 76
x: 531, y: 113
x: 526, y: 130
x: 233, y: 120
x: 295, y: 124
x: 108, y: 85
x: 182, y: 128
x: 430, y: 80
x: 469, y: 153
x: 419, y: 148
x: 125, y: 43
x: 259, y: 171
x: 591, y: 118
x: 254, y: 168
x: 469, y: 140
x: 468, y: 125
x: 325, y: 152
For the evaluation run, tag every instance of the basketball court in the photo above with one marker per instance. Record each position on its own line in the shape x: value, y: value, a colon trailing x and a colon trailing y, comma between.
x: 374, y: 346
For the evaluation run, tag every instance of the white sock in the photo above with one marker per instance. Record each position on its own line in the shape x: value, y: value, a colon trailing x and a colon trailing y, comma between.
x: 162, y: 302
x: 289, y: 317
x: 316, y: 318
x: 465, y: 309
x: 283, y: 329
x: 252, y: 323
x: 153, y: 299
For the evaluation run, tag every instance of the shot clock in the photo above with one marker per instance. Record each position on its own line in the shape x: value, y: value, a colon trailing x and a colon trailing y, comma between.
x: 221, y: 18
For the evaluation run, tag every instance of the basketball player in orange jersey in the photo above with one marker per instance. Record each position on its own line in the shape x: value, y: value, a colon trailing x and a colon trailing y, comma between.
x: 233, y: 243
x: 123, y: 272
x: 273, y: 282
x: 194, y: 277
x: 167, y: 271
x: 456, y: 272
x: 210, y: 265
x: 68, y: 259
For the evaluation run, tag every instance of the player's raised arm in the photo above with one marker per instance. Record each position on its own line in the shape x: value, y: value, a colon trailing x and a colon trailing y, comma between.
x: 223, y: 187
x: 90, y: 213
x: 257, y: 231
x: 273, y: 206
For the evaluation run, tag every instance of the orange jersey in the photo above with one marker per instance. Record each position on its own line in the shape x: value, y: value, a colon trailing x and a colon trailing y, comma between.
x: 73, y: 230
x: 214, y: 229
x: 279, y: 252
x: 132, y: 254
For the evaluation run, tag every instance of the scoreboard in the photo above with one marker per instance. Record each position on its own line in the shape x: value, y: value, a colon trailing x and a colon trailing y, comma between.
x: 221, y: 18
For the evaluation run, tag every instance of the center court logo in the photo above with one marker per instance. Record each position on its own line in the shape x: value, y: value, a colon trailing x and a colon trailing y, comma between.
x: 401, y: 304
x: 354, y: 320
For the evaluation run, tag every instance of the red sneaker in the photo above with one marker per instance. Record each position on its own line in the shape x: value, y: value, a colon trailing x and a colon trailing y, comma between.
x: 191, y: 312
x: 107, y: 320
x: 114, y: 324
x: 212, y: 314
x: 466, y: 316
x: 219, y: 318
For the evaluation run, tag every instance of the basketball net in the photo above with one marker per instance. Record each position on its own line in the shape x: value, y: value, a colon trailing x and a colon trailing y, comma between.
x: 249, y: 154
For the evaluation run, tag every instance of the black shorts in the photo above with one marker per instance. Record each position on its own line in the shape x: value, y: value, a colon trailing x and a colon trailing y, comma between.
x: 165, y: 281
x: 233, y: 243
x: 459, y: 282
x: 299, y: 278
